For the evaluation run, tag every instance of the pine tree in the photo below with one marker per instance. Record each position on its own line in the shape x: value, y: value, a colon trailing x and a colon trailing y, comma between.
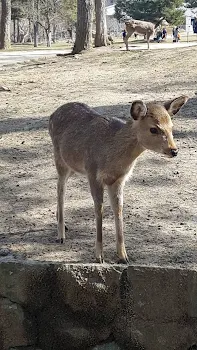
x: 151, y: 10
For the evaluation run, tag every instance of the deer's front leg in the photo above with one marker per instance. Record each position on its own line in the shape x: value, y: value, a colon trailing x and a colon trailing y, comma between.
x: 126, y: 39
x: 116, y: 198
x: 97, y: 195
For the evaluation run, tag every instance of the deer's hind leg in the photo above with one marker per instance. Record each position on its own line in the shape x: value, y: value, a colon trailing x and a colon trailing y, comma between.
x: 148, y: 35
x: 63, y: 174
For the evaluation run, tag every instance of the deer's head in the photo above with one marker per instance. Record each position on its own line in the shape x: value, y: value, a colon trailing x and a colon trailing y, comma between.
x: 154, y: 125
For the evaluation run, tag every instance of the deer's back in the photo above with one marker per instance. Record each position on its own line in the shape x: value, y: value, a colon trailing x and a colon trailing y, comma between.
x: 140, y: 26
x: 80, y: 135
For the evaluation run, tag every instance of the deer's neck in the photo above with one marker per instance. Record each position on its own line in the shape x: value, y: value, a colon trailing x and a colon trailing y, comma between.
x: 120, y: 155
x: 128, y: 146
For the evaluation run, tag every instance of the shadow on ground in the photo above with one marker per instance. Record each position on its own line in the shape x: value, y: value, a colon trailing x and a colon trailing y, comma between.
x: 152, y: 216
x: 13, y: 124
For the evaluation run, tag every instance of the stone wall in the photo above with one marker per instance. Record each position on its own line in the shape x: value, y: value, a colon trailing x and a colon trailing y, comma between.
x: 59, y: 307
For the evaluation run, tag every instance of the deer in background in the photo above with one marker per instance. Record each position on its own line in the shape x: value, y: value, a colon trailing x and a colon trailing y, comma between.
x: 140, y: 27
x: 105, y: 150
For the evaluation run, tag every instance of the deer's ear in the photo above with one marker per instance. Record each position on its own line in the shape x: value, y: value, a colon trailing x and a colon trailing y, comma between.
x: 138, y: 109
x: 173, y: 106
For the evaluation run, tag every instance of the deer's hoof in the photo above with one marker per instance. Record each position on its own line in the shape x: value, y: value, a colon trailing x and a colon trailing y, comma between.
x: 100, y: 260
x: 123, y: 261
x: 60, y: 240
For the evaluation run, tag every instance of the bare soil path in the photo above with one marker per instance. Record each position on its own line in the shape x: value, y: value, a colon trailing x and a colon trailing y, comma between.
x: 10, y: 57
x: 160, y: 209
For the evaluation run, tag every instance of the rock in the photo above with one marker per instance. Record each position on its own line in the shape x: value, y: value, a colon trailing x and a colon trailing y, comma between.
x: 4, y: 252
x: 142, y: 334
x: 160, y: 309
x: 26, y: 283
x: 4, y: 88
x: 93, y: 290
x: 25, y: 348
x: 59, y: 326
x: 107, y: 346
x: 87, y: 306
x: 162, y: 294
x: 16, y: 326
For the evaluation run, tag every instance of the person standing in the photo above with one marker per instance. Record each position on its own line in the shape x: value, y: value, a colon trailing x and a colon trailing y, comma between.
x: 164, y: 33
x: 176, y: 34
x: 124, y: 33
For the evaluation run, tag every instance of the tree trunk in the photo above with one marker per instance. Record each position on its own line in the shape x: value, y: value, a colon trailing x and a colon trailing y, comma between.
x: 18, y: 31
x: 36, y: 15
x: 5, y: 24
x: 54, y: 33
x: 36, y: 34
x: 83, y: 39
x: 48, y: 37
x: 22, y: 38
x: 70, y: 31
x: 30, y: 31
x: 101, y: 24
x: 14, y: 27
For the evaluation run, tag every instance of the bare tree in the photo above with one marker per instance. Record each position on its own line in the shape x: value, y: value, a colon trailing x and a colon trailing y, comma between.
x: 101, y: 24
x: 49, y: 14
x: 69, y: 16
x: 44, y: 14
x: 20, y: 16
x: 46, y: 11
x: 25, y: 15
x: 5, y: 24
x: 35, y: 18
x: 84, y: 26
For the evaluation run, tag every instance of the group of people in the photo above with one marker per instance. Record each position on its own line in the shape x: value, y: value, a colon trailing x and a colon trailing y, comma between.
x: 161, y: 35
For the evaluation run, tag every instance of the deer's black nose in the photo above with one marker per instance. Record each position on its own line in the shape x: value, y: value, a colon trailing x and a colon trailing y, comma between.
x: 174, y: 152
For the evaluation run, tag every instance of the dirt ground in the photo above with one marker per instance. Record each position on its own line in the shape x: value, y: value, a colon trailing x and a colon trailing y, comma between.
x: 160, y: 210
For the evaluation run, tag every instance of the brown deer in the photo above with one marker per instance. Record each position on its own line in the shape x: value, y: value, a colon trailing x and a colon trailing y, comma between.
x: 105, y: 150
x: 140, y: 27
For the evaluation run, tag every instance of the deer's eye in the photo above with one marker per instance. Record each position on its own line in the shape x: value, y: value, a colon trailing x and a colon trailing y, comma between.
x: 154, y: 131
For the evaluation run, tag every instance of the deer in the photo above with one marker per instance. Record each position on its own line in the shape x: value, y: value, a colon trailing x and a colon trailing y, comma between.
x: 140, y: 27
x: 106, y: 149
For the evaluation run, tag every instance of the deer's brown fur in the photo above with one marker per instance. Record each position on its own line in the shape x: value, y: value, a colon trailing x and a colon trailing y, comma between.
x: 105, y: 150
x: 140, y: 27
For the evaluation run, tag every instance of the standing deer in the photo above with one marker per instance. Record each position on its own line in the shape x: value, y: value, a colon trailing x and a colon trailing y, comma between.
x: 140, y: 27
x: 105, y: 150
